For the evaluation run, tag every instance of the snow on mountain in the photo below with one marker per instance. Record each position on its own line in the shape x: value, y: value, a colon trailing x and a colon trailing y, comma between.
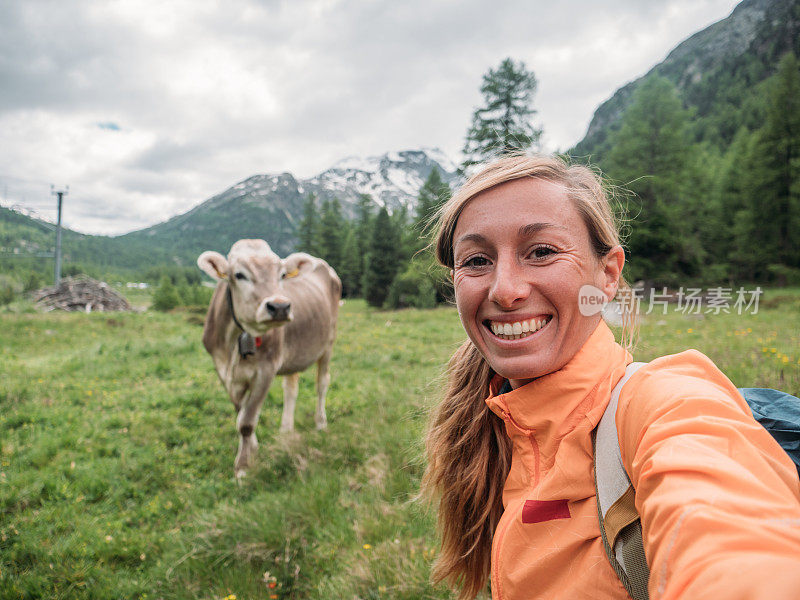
x: 270, y: 206
x: 392, y: 179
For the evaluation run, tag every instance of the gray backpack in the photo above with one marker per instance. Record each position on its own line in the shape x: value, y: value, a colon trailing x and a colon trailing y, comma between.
x: 620, y: 526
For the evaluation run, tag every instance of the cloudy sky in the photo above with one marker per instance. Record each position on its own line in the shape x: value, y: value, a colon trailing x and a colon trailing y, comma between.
x: 146, y: 108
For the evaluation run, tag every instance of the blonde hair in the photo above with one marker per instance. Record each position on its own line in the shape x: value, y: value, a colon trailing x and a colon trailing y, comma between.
x: 469, y: 453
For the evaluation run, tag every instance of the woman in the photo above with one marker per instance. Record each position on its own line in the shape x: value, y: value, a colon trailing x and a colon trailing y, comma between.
x: 510, y: 446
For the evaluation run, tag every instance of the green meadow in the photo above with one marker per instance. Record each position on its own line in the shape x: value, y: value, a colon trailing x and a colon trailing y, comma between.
x: 117, y: 444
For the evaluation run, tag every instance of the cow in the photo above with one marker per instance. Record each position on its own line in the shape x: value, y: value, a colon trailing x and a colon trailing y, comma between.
x: 269, y: 317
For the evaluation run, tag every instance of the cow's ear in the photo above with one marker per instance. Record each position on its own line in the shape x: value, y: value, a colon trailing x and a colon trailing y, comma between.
x: 297, y: 264
x: 214, y: 264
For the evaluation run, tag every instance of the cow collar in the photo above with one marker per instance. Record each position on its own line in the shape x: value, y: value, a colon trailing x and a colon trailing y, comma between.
x: 247, y: 344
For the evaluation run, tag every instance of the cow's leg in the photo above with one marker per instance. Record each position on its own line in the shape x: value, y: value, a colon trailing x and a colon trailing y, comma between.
x: 291, y: 383
x: 246, y: 421
x: 238, y: 393
x: 323, y: 380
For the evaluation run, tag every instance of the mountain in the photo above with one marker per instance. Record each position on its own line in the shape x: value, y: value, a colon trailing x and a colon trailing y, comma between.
x: 27, y: 244
x: 261, y: 206
x: 717, y: 72
x: 271, y: 206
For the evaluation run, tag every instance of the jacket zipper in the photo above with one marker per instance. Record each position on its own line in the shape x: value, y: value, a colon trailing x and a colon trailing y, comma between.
x: 501, y: 531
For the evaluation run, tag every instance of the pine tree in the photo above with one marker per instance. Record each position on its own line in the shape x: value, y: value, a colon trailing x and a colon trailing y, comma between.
x: 504, y: 123
x: 651, y: 155
x: 382, y: 259
x: 362, y: 226
x: 409, y: 240
x: 308, y: 231
x: 729, y: 221
x: 774, y: 177
x: 332, y: 228
x: 351, y: 268
x: 433, y: 193
x: 363, y: 221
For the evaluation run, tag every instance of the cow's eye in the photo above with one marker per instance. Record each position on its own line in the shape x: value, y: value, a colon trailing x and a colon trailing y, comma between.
x: 240, y: 275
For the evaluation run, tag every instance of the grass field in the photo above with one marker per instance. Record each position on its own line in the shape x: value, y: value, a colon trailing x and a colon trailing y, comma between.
x: 117, y: 445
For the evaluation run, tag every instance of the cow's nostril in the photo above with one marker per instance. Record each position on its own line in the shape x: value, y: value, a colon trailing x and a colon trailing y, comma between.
x: 278, y: 309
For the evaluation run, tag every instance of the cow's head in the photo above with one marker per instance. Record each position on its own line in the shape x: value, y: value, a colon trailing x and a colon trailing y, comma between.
x: 255, y: 275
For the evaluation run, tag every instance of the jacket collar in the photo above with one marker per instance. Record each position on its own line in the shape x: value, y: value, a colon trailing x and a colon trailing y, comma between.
x: 552, y: 405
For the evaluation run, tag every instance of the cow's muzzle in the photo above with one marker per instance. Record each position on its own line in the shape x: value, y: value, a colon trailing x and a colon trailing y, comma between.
x: 278, y: 310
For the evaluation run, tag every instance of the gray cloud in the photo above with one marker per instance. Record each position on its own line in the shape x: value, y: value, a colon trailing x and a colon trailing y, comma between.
x: 147, y: 108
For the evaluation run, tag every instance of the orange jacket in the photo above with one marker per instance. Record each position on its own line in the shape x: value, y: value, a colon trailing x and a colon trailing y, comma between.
x: 719, y: 499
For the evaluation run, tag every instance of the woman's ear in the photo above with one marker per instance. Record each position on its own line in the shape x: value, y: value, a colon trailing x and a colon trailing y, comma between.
x: 612, y: 264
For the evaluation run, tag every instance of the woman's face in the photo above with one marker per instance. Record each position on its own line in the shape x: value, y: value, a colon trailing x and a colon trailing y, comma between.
x: 521, y: 254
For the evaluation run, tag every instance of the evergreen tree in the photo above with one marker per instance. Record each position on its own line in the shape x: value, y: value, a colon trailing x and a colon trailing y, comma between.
x: 382, y: 259
x: 363, y: 221
x: 651, y: 155
x: 351, y: 268
x: 362, y: 227
x: 774, y: 178
x: 332, y: 229
x: 308, y: 231
x: 433, y: 193
x: 409, y: 240
x: 729, y: 223
x: 504, y: 123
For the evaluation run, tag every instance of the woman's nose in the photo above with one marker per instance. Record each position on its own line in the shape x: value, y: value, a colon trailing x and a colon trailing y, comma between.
x: 509, y: 285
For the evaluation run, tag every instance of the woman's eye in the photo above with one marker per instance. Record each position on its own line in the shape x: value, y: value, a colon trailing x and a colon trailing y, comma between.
x: 240, y: 275
x: 475, y: 262
x: 541, y: 252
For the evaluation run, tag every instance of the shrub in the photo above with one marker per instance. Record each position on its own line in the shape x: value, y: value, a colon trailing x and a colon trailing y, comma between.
x: 412, y: 288
x: 34, y: 282
x: 195, y: 295
x: 10, y: 288
x: 166, y: 295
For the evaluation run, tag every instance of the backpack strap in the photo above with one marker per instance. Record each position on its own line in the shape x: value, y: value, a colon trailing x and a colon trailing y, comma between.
x: 620, y: 526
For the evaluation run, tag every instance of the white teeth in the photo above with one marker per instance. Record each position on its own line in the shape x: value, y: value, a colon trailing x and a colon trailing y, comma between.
x: 515, y: 331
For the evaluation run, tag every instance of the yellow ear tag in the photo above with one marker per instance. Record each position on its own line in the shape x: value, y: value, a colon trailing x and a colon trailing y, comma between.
x: 293, y: 273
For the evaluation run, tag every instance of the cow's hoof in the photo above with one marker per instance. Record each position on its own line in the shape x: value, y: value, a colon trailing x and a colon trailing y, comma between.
x: 322, y: 426
x: 240, y: 474
x: 286, y: 429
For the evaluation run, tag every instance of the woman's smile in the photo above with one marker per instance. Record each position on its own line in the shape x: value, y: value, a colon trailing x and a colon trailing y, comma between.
x: 515, y: 330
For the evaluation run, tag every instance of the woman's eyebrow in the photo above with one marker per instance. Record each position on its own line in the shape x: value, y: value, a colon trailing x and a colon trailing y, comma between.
x: 470, y: 237
x: 533, y: 228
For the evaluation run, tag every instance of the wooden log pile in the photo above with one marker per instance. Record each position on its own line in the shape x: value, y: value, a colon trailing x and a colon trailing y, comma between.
x: 81, y: 293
